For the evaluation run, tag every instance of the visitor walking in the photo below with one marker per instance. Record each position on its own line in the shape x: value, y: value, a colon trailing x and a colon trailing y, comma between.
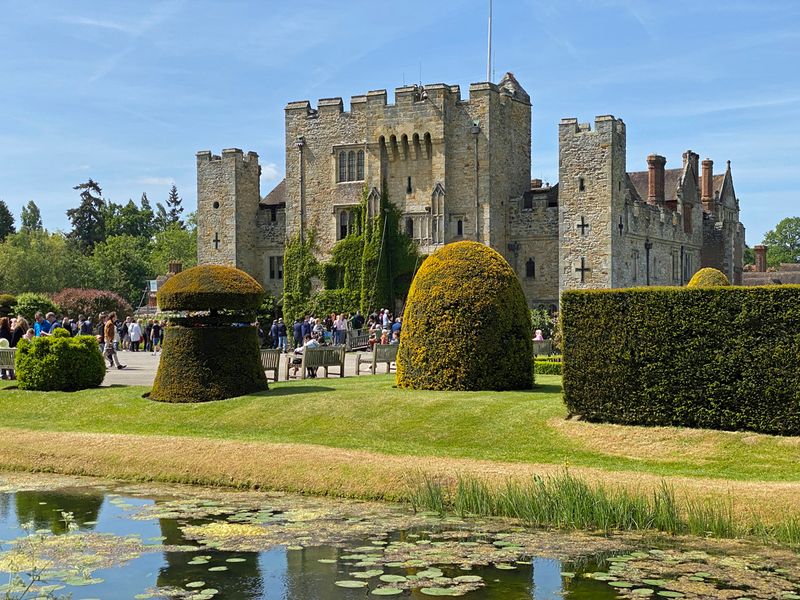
x: 273, y: 334
x: 109, y: 331
x: 155, y: 338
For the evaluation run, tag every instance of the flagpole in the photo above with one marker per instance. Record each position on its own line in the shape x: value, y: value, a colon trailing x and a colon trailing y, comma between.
x: 489, y: 52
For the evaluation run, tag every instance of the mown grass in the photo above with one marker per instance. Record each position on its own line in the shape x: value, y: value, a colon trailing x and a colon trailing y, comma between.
x: 368, y: 413
x: 565, y: 501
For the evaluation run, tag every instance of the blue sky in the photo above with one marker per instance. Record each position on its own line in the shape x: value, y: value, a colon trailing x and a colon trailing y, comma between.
x: 127, y: 92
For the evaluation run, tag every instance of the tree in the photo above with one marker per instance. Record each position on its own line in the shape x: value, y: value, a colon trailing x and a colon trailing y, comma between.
x: 31, y: 218
x: 129, y: 219
x: 88, y: 221
x: 174, y: 244
x: 6, y: 221
x: 171, y: 213
x: 783, y: 242
x: 38, y: 262
x: 120, y: 265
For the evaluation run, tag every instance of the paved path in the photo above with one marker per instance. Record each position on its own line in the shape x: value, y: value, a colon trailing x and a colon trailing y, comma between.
x: 142, y: 366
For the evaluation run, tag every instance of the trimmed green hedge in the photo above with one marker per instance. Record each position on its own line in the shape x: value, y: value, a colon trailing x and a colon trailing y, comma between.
x: 544, y: 366
x: 199, y: 364
x: 211, y: 287
x: 59, y: 362
x: 708, y: 277
x: 720, y: 358
x: 466, y: 325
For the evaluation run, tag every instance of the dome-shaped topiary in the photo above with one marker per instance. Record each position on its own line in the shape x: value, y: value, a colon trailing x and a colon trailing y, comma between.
x: 708, y: 277
x: 211, y: 287
x: 466, y: 324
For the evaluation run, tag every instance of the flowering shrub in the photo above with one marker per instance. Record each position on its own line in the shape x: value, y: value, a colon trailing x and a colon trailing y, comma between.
x: 78, y: 301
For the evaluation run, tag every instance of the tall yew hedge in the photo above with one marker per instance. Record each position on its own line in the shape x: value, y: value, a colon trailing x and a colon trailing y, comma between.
x: 720, y: 358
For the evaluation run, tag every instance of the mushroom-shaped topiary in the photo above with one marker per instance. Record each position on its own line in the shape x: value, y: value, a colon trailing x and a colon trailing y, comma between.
x: 210, y: 351
x: 708, y: 277
x: 466, y: 324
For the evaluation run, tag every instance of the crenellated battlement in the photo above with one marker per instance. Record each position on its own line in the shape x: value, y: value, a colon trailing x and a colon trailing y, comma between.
x: 205, y: 156
x: 602, y: 124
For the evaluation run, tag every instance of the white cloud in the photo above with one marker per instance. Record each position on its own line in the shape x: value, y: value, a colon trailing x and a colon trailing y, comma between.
x: 155, y: 180
x: 99, y: 24
x: 270, y: 171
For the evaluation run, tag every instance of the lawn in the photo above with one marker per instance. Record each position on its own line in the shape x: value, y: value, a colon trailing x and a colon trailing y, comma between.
x: 368, y: 413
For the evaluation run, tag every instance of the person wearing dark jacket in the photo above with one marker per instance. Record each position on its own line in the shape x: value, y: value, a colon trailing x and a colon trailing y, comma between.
x: 297, y: 333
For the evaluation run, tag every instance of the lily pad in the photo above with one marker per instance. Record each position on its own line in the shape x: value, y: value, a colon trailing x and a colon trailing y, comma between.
x: 195, y: 584
x: 345, y: 583
x: 386, y: 591
x: 389, y: 578
x: 621, y: 584
x: 215, y: 569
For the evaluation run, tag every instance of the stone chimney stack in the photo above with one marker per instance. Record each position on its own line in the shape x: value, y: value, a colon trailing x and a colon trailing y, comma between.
x: 174, y: 267
x: 655, y: 182
x: 536, y: 184
x: 707, y: 191
x: 761, y: 258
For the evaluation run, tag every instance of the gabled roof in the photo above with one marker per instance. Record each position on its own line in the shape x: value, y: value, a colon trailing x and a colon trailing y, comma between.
x: 277, y: 196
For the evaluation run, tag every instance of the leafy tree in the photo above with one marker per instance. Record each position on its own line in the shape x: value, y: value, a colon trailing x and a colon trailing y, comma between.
x: 783, y: 242
x: 749, y: 256
x: 31, y: 218
x: 6, y: 221
x: 29, y: 303
x: 88, y: 221
x: 173, y: 244
x: 120, y: 265
x: 129, y: 219
x: 37, y: 262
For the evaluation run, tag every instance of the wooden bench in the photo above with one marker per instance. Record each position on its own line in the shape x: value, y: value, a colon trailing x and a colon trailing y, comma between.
x: 381, y: 353
x: 542, y: 347
x: 270, y: 360
x: 7, y: 358
x: 357, y: 338
x: 316, y: 358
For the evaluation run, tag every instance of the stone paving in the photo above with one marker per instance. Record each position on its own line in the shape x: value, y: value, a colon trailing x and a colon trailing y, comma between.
x: 142, y: 366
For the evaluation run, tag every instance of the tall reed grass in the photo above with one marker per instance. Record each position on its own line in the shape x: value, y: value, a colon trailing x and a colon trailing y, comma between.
x: 565, y: 501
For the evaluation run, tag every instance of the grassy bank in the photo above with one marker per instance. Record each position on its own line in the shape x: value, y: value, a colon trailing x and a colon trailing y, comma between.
x: 369, y: 414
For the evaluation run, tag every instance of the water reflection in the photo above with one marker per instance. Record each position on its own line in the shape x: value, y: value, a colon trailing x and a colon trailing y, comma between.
x: 44, y: 509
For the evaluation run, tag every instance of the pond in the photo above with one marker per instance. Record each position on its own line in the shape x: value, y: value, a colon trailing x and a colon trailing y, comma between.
x: 98, y: 539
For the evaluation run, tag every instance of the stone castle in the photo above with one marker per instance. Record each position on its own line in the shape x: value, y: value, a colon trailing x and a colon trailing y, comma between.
x: 460, y: 169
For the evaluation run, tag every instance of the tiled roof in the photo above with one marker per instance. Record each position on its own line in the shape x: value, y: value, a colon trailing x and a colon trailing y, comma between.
x: 672, y: 177
x: 277, y: 196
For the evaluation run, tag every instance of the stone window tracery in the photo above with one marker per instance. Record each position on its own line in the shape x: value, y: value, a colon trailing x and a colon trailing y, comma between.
x: 349, y: 165
x: 437, y: 215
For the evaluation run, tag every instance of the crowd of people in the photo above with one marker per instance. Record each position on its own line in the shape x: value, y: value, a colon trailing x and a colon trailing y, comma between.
x: 113, y: 334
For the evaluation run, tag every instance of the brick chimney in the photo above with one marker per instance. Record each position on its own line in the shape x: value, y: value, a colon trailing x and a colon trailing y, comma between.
x: 707, y: 185
x: 655, y: 181
x: 174, y: 267
x: 536, y: 184
x: 761, y: 258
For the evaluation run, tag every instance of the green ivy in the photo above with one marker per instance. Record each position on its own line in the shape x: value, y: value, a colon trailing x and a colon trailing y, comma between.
x: 300, y: 266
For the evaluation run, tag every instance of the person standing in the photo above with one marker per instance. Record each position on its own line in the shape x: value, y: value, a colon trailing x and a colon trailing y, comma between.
x: 155, y: 338
x: 340, y: 332
x: 283, y: 342
x: 273, y: 334
x: 297, y: 333
x: 135, y: 331
x: 109, y: 332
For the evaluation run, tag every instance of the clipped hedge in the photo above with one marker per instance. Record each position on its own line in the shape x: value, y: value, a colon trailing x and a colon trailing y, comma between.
x: 59, y: 362
x: 211, y: 287
x: 7, y: 302
x: 708, y: 277
x: 717, y: 357
x: 199, y: 364
x: 546, y: 367
x: 466, y: 324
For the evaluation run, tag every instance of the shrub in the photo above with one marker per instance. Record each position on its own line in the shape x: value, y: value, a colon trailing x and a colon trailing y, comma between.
x: 7, y: 302
x: 78, y: 301
x: 708, y: 277
x: 326, y: 302
x: 29, y: 303
x: 466, y: 324
x: 720, y: 358
x: 199, y: 364
x: 547, y: 366
x: 211, y: 287
x: 59, y: 362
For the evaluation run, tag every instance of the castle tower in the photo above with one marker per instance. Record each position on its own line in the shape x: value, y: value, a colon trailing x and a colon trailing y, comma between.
x: 228, y: 199
x: 591, y: 202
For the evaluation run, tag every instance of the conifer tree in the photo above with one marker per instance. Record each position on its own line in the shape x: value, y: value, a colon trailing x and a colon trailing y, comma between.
x: 88, y: 221
x: 6, y: 221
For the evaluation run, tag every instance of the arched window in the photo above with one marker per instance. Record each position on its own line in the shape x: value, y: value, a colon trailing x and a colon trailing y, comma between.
x: 351, y: 165
x: 342, y: 166
x: 410, y: 227
x: 530, y: 269
x: 360, y: 166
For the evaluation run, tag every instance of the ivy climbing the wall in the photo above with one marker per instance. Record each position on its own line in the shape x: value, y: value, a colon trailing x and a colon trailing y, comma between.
x: 300, y: 266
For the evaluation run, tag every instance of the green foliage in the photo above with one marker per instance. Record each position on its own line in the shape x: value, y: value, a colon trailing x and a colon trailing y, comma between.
x: 129, y: 219
x: 344, y: 268
x: 466, y: 324
x: 199, y: 364
x: 88, y: 219
x: 211, y: 287
x: 119, y: 264
x: 59, y: 362
x: 749, y: 256
x: 541, y: 319
x: 29, y: 303
x: 31, y: 218
x: 326, y: 302
x: 7, y: 302
x: 708, y: 277
x: 170, y: 215
x: 268, y: 311
x: 6, y: 221
x: 173, y: 244
x: 718, y: 358
x: 783, y: 242
x: 550, y: 365
x: 299, y: 266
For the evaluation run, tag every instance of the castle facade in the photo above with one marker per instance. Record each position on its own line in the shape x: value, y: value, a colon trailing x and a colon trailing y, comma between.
x: 460, y: 169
